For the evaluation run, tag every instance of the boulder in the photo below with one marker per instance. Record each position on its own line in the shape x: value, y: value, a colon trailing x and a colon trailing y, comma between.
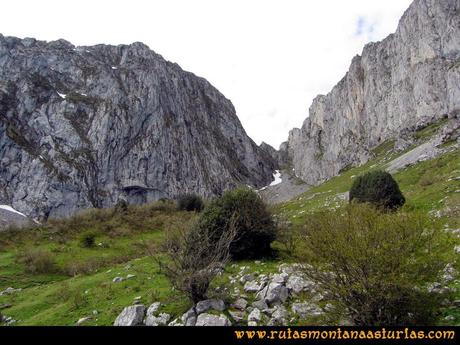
x: 189, y: 317
x: 212, y: 320
x: 160, y: 320
x: 240, y: 304
x: 273, y: 294
x: 253, y: 286
x: 131, y: 316
x: 297, y: 284
x: 209, y: 304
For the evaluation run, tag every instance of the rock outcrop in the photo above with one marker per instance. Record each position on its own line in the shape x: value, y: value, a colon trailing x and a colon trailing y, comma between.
x: 83, y: 127
x: 411, y: 77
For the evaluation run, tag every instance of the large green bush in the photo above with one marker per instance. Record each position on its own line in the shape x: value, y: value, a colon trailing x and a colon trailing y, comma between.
x: 190, y: 202
x: 376, y: 267
x: 378, y: 188
x: 244, y: 209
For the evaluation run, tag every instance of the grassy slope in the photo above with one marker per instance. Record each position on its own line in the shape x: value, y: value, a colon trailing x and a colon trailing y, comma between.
x: 61, y: 299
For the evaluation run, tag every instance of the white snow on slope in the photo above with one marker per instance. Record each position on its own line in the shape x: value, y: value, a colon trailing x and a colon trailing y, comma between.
x: 9, y: 208
x: 63, y: 96
x: 277, y: 177
x: 278, y: 180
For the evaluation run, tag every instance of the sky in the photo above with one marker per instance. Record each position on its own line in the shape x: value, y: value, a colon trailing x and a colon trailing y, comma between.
x: 271, y: 58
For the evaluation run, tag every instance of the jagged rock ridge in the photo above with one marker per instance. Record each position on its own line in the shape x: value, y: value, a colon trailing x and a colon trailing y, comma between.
x: 409, y: 78
x: 83, y: 127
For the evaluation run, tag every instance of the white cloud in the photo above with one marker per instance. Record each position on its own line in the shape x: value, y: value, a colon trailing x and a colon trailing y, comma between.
x: 271, y: 58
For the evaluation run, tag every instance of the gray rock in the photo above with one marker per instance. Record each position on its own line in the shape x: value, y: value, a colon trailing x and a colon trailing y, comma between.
x: 212, y: 320
x: 118, y: 279
x: 279, y: 316
x: 305, y: 309
x: 409, y: 78
x: 9, y: 291
x: 175, y: 322
x: 297, y: 284
x: 131, y: 316
x: 209, y: 304
x: 160, y: 320
x: 240, y: 304
x: 189, y: 317
x: 273, y: 294
x: 154, y: 307
x: 237, y: 315
x: 255, y: 315
x: 246, y: 278
x: 260, y: 304
x: 82, y: 134
x: 280, y: 278
x: 83, y: 320
x: 253, y: 286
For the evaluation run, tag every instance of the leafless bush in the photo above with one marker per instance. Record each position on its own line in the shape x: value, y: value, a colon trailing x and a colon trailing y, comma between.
x: 195, y: 258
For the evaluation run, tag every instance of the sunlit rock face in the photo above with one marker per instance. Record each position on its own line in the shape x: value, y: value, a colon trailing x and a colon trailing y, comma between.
x: 409, y: 78
x: 83, y: 127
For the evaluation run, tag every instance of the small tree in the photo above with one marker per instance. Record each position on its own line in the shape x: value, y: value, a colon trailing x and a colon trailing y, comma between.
x: 379, y: 188
x: 195, y: 258
x: 190, y: 202
x: 254, y: 226
x: 377, y: 266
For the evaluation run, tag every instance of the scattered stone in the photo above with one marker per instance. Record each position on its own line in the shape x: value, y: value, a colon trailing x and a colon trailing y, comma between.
x: 154, y: 307
x: 209, y: 304
x: 305, y: 309
x: 95, y: 312
x: 279, y: 317
x: 280, y: 278
x: 237, y: 315
x: 246, y: 278
x: 129, y: 276
x: 175, y: 322
x: 260, y: 304
x: 131, y: 316
x: 255, y: 316
x: 189, y: 317
x: 252, y: 323
x: 253, y: 286
x: 83, y: 320
x: 160, y: 320
x: 274, y: 293
x: 450, y: 318
x: 212, y: 320
x: 240, y: 304
x: 117, y: 279
x: 297, y: 284
x: 9, y: 291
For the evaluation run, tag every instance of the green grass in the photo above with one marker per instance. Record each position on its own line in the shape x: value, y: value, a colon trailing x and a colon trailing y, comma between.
x: 83, y: 280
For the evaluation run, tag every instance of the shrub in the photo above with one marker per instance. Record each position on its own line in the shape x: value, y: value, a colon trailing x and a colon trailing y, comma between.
x: 190, y: 202
x: 121, y: 207
x: 379, y: 188
x: 37, y: 261
x: 255, y: 229
x: 195, y: 258
x: 87, y: 239
x: 377, y: 266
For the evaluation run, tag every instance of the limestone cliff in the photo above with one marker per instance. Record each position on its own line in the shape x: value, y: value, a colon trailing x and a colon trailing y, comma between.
x: 409, y: 78
x: 83, y: 127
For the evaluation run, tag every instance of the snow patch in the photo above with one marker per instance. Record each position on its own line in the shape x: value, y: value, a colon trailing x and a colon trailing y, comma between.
x: 9, y: 208
x: 113, y: 67
x: 277, y: 177
x: 63, y: 96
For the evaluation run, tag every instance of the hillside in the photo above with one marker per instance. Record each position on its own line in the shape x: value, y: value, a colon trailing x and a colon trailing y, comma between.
x: 82, y: 282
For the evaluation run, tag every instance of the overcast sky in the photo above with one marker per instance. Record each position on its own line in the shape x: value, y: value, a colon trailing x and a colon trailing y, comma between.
x: 270, y: 58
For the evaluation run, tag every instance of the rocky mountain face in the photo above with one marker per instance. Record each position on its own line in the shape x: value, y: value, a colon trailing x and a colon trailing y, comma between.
x: 409, y: 79
x: 83, y: 127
